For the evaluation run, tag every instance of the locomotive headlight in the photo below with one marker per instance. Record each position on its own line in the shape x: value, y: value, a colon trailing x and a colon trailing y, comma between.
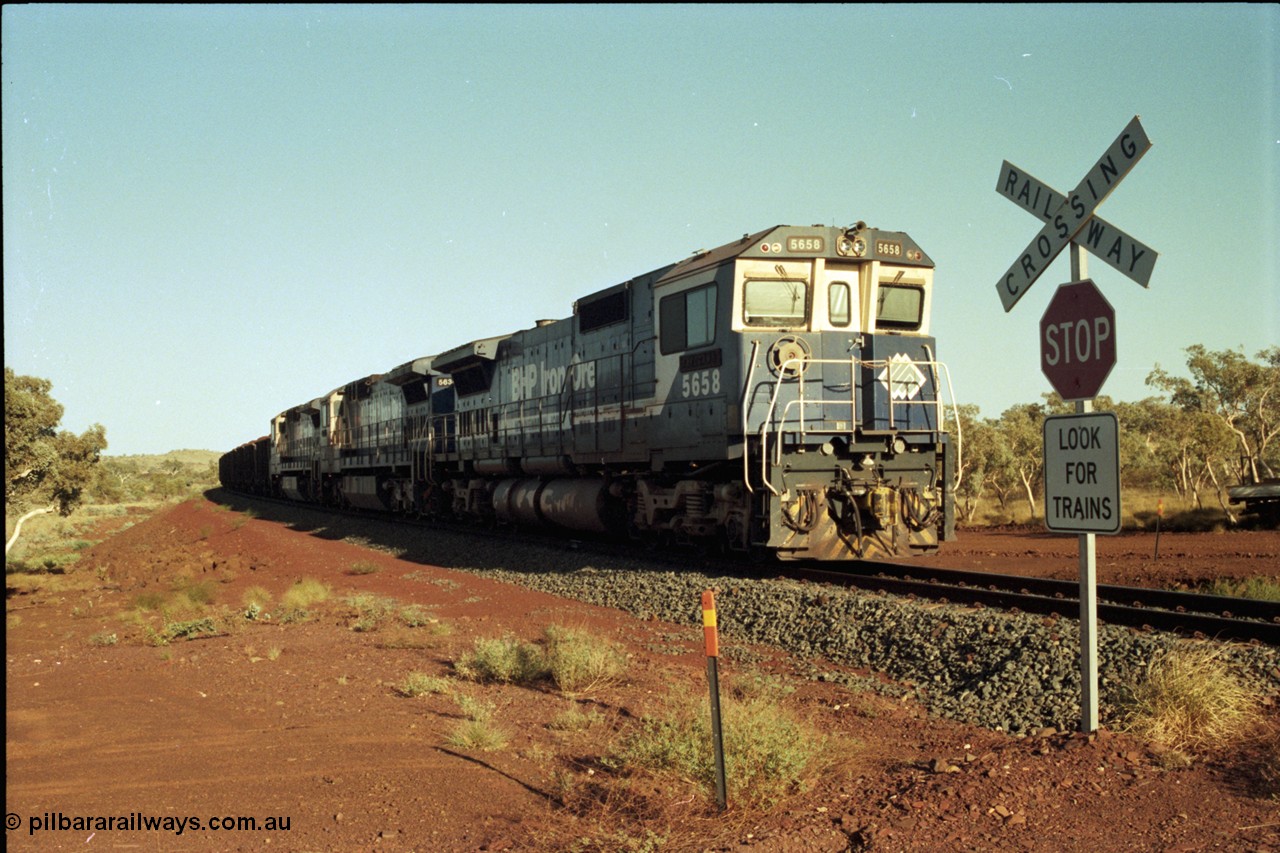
x: 855, y: 246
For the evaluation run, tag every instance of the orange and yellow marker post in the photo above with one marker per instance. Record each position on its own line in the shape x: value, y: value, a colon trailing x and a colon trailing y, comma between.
x: 1159, y: 517
x: 712, y: 641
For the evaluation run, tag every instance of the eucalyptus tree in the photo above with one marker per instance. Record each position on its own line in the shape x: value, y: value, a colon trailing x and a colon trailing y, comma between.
x: 45, y: 470
x: 1243, y: 395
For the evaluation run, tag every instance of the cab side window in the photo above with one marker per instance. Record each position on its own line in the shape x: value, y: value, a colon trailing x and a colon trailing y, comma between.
x: 688, y: 319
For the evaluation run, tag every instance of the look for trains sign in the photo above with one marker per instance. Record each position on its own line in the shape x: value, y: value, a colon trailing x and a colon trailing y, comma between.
x: 1082, y: 473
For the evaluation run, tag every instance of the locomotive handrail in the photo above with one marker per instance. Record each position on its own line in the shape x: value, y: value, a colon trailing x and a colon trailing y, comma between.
x: 746, y: 392
x: 795, y: 367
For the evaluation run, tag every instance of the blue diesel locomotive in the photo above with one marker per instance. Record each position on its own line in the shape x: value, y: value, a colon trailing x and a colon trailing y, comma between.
x: 780, y: 394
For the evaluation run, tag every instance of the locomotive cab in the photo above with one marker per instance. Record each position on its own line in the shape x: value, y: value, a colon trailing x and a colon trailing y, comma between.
x: 802, y: 358
x: 843, y: 408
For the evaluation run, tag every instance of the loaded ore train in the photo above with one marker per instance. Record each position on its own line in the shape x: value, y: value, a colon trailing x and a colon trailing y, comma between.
x: 780, y: 394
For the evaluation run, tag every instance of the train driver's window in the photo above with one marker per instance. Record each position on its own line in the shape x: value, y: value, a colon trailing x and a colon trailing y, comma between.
x: 900, y: 307
x: 838, y: 303
x: 775, y: 302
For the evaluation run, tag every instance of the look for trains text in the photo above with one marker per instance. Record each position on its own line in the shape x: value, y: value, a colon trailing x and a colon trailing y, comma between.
x: 1081, y: 473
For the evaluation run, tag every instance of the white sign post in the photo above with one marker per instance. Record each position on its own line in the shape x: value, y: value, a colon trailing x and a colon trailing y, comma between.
x: 1082, y: 495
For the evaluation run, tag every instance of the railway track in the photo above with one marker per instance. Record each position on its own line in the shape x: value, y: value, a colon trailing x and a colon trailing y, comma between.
x: 1193, y: 614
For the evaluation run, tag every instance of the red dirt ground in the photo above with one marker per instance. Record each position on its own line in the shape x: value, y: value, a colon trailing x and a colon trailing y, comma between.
x: 1173, y: 561
x: 302, y: 721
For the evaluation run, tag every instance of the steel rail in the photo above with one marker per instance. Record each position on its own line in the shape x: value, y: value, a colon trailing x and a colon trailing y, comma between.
x: 1218, y: 617
x: 1139, y: 597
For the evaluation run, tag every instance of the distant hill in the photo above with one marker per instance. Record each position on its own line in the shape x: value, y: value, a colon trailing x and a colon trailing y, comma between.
x: 187, y: 458
x: 150, y: 476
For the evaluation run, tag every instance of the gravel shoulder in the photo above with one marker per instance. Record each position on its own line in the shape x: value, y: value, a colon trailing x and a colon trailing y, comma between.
x: 303, y: 720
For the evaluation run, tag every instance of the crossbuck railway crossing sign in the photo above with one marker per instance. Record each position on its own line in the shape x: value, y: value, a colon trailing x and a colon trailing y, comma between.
x: 1107, y: 242
x: 1064, y: 222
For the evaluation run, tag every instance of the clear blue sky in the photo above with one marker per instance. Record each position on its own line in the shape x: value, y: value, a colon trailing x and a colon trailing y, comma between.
x: 214, y: 213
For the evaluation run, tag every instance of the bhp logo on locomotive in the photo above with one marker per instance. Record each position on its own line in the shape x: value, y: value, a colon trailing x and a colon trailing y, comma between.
x: 538, y: 380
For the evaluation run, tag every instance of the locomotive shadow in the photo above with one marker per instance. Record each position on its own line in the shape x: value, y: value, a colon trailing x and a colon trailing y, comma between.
x: 473, y: 548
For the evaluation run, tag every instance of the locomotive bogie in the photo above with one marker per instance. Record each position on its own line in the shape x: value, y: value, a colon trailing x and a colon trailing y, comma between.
x: 780, y: 393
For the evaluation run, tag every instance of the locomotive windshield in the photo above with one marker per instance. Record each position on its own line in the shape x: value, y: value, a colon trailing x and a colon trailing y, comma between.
x: 775, y: 302
x: 899, y: 307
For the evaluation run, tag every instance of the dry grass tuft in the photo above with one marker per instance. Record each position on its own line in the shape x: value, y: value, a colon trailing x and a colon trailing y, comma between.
x: 305, y: 593
x: 297, y: 600
x: 1256, y: 588
x: 477, y: 732
x: 421, y: 684
x: 1192, y: 701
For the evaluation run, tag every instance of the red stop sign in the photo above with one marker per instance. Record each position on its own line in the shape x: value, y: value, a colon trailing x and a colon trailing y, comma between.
x: 1078, y: 340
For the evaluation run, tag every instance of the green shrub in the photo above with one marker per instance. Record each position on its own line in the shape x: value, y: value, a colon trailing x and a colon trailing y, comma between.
x: 479, y: 710
x: 205, y: 626
x: 370, y: 610
x: 505, y: 660
x: 767, y: 753
x: 579, y: 662
x: 1259, y: 588
x: 419, y: 684
x: 479, y: 735
x: 478, y: 731
x: 415, y: 616
x: 576, y: 720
